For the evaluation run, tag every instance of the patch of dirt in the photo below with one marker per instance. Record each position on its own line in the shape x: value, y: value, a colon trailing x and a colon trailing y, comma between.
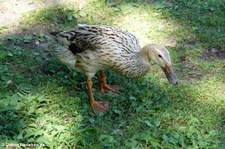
x: 188, y: 43
x: 212, y: 54
x: 11, y: 11
x: 190, y: 71
x: 170, y: 42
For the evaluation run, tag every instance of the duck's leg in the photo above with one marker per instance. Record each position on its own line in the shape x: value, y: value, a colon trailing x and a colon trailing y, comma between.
x: 105, y: 87
x: 98, y: 107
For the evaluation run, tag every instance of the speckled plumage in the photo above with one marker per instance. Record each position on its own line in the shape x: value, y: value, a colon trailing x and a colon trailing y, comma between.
x: 90, y: 48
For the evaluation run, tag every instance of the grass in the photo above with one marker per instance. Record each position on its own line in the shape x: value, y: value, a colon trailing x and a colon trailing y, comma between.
x: 43, y: 103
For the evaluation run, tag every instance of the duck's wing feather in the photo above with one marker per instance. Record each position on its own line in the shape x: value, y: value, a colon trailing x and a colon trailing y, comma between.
x: 92, y: 37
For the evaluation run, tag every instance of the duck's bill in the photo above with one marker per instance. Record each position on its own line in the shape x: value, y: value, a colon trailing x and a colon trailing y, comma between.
x: 171, y: 76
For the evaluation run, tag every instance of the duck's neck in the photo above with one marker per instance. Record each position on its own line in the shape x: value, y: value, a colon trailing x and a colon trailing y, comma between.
x: 138, y: 64
x: 144, y: 54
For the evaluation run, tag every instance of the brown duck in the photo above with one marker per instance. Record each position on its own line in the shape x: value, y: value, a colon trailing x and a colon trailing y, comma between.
x: 91, y: 48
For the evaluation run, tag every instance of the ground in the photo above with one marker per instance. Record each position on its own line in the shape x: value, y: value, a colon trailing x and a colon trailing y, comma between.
x: 44, y: 103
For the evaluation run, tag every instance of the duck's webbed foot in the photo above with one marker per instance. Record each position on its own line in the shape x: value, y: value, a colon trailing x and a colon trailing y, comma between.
x: 101, y: 106
x: 104, y: 87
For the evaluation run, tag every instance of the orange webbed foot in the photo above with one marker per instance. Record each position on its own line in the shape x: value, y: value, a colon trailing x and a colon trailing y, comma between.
x: 100, y: 106
x: 104, y: 87
x: 110, y: 88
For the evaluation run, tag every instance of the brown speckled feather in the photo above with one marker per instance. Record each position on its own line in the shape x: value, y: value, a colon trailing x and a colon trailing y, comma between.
x: 92, y: 37
x: 90, y: 48
x: 97, y: 48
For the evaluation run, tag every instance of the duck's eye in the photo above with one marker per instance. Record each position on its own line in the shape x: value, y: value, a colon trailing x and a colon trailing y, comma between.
x: 160, y: 56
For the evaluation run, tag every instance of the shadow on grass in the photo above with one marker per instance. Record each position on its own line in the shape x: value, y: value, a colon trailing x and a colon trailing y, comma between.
x: 51, y: 107
x: 45, y: 104
x: 202, y: 21
x: 48, y: 104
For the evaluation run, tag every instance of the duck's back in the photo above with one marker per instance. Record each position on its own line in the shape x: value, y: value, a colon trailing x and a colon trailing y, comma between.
x: 95, y: 38
x: 91, y: 48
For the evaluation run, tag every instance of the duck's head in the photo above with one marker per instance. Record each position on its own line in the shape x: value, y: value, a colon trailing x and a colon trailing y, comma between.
x: 160, y: 55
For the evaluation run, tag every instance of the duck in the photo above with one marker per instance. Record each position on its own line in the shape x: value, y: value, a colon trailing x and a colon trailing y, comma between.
x: 92, y: 48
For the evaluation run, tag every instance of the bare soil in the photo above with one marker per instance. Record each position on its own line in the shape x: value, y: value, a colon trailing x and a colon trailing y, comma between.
x: 12, y: 10
x: 212, y: 54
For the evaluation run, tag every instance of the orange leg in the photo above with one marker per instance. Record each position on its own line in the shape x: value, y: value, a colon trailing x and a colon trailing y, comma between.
x: 105, y: 87
x: 97, y: 106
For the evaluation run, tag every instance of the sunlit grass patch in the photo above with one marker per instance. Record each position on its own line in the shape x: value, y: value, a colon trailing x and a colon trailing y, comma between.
x: 146, y: 23
x: 193, y: 116
x: 59, y: 14
x: 36, y: 119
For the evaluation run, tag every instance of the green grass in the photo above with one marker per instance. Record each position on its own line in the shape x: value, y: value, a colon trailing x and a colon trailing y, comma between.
x: 43, y: 102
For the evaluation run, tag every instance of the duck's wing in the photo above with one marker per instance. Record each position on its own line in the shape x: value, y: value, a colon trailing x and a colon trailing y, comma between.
x: 92, y: 37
